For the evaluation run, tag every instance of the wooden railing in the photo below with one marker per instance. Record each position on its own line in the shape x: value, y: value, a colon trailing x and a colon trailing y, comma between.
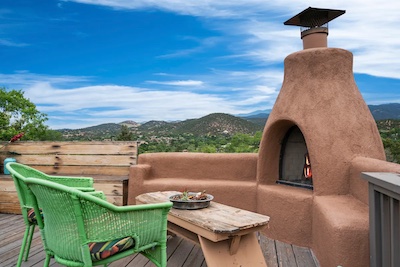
x: 384, y: 218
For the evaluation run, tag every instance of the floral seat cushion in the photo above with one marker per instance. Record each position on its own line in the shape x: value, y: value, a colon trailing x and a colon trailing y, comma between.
x: 102, y: 250
x: 32, y: 216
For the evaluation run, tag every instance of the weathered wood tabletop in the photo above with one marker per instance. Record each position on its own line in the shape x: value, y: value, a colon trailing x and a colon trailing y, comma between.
x: 217, y: 218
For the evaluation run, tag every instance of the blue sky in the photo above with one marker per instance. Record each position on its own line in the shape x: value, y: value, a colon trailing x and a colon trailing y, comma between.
x: 87, y: 62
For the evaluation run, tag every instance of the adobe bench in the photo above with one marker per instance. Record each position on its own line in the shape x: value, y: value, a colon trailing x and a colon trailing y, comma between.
x: 230, y: 177
x: 107, y: 162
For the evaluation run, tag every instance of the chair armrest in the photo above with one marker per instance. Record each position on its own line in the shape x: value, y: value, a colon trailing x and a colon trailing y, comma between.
x: 85, y: 189
x: 99, y: 194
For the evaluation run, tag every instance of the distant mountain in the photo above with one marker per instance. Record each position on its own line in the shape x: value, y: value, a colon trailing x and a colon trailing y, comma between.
x: 385, y: 111
x: 255, y: 114
x: 214, y: 124
x: 130, y: 123
x: 261, y: 121
x: 379, y: 112
x: 217, y: 123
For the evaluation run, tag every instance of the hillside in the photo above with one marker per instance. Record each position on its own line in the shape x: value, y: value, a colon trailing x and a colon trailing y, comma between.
x: 99, y: 132
x: 217, y: 123
x: 212, y: 124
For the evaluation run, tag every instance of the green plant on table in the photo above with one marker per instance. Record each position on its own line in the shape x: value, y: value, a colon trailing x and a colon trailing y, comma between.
x: 187, y: 196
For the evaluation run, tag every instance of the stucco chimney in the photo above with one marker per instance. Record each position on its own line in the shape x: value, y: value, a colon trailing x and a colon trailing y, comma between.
x: 313, y: 24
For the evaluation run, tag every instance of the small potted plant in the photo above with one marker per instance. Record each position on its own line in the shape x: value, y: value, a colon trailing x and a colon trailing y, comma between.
x: 191, y: 200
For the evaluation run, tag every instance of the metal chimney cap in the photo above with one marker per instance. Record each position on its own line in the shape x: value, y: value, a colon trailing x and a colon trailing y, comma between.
x: 314, y: 17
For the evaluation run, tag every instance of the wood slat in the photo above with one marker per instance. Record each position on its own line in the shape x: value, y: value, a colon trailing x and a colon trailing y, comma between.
x: 64, y: 148
x: 181, y: 253
x: 6, y: 184
x: 285, y: 254
x: 269, y: 251
x: 118, y: 201
x: 113, y: 192
x: 12, y: 208
x: 85, y: 170
x: 109, y: 189
x: 195, y: 258
x: 303, y: 256
x: 8, y: 197
x: 77, y: 160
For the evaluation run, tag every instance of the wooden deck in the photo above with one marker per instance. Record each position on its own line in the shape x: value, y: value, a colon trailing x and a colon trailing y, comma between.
x: 181, y: 252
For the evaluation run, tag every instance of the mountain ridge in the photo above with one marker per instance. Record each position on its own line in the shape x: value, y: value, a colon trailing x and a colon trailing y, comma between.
x: 212, y: 124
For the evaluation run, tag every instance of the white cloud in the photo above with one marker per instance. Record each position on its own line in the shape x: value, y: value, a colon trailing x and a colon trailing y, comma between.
x: 178, y: 83
x: 204, y: 8
x: 5, y: 42
x: 70, y: 105
x: 111, y: 103
x: 24, y: 78
x: 368, y: 29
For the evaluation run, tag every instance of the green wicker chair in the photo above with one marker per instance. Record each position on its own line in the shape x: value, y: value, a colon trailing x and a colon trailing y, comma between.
x: 19, y: 172
x: 85, y: 222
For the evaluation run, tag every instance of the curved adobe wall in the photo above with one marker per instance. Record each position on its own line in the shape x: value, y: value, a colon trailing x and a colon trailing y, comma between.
x: 230, y: 177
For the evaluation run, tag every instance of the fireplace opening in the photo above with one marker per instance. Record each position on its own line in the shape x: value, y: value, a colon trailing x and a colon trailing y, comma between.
x: 294, y: 163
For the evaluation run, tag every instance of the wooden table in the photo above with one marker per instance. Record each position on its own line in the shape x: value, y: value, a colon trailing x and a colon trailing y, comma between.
x: 227, y: 235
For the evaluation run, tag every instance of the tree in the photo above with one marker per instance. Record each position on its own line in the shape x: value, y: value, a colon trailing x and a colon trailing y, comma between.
x: 19, y: 114
x: 125, y: 134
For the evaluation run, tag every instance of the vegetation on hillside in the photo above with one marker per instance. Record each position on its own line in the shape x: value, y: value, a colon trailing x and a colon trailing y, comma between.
x: 390, y: 134
x: 215, y: 133
x: 242, y: 142
x: 237, y: 143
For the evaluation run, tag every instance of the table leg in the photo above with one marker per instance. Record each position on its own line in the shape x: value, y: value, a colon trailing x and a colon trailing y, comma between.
x: 218, y: 254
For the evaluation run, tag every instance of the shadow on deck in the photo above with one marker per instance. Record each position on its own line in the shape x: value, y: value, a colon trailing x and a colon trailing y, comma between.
x: 181, y: 252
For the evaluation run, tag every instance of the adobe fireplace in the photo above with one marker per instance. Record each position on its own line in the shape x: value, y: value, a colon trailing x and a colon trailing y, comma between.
x: 319, y: 135
x: 294, y: 162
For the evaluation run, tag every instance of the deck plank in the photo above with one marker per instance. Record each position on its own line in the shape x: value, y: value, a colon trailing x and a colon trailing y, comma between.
x: 285, y: 254
x: 269, y: 250
x: 303, y: 256
x: 180, y: 252
x: 195, y: 258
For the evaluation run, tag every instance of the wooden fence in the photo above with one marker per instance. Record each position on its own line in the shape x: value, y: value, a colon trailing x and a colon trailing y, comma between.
x: 108, y: 162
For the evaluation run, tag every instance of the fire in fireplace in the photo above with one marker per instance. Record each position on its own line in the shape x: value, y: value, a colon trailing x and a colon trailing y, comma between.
x: 294, y: 163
